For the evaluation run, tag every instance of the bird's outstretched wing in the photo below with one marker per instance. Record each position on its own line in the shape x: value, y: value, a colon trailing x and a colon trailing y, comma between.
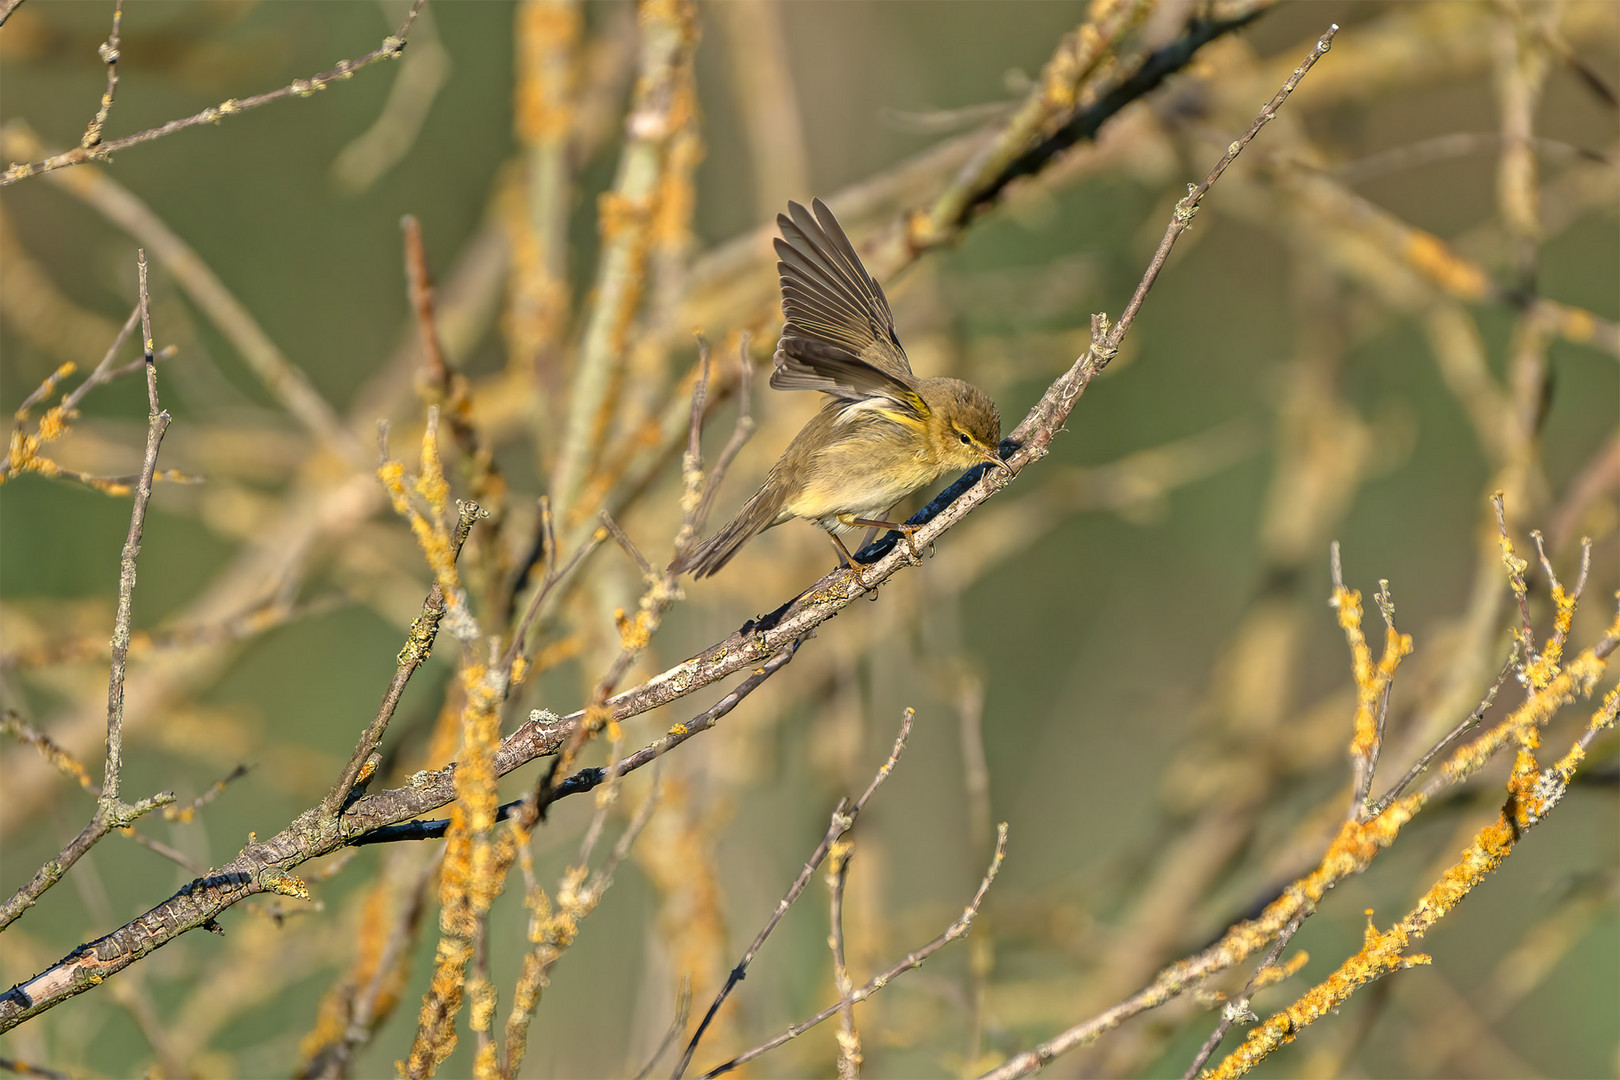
x: 839, y: 337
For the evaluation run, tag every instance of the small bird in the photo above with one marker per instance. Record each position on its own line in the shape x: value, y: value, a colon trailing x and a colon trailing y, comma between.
x: 883, y: 432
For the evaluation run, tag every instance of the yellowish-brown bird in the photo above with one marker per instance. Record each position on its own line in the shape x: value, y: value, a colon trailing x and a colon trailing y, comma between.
x: 883, y: 432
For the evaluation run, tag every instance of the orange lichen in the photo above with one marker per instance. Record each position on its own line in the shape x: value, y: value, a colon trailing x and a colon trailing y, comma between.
x: 23, y: 450
x: 1380, y: 954
x: 537, y: 298
x: 64, y: 762
x: 548, y: 34
x: 678, y: 860
x: 617, y: 214
x: 1543, y: 667
x: 558, y: 652
x: 1603, y: 718
x: 334, y: 1016
x: 634, y: 634
x: 1577, y: 679
x: 1276, y: 973
x: 1571, y: 323
x: 473, y: 871
x: 1430, y: 256
x: 430, y: 483
x: 1371, y: 681
x: 433, y: 529
x: 1531, y: 794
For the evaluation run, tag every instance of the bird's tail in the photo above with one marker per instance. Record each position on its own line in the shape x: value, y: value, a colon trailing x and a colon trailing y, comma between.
x: 757, y: 515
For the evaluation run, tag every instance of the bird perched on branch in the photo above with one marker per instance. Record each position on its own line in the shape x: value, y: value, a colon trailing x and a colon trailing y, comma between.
x: 883, y: 432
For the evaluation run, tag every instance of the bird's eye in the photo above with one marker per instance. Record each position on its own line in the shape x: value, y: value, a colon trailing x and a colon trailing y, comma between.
x: 965, y: 440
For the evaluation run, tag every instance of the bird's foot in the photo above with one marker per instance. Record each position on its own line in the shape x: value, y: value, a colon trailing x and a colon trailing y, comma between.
x: 909, y: 534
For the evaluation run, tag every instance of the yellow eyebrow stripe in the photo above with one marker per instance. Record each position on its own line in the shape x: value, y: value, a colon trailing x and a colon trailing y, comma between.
x: 904, y: 419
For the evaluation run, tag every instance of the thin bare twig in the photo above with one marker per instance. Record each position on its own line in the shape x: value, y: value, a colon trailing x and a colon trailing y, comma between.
x: 1445, y: 743
x: 677, y: 1024
x: 65, y: 763
x: 912, y: 960
x: 1238, y: 1008
x: 740, y: 434
x: 1367, y: 766
x: 102, y: 373
x: 554, y: 577
x: 1188, y: 206
x: 418, y: 647
x: 844, y: 816
x: 179, y: 858
x: 215, y: 790
x: 157, y: 424
x: 108, y: 51
x: 390, y: 48
x: 112, y: 811
x: 624, y: 541
x: 849, y: 1037
x: 1515, y: 568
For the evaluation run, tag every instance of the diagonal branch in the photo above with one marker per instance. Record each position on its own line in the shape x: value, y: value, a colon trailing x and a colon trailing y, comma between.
x: 390, y: 49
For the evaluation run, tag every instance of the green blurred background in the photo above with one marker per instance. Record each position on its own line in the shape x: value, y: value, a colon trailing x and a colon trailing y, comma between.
x: 1096, y: 647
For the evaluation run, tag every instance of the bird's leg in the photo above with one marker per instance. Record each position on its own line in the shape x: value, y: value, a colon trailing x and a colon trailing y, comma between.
x: 905, y: 530
x: 844, y: 557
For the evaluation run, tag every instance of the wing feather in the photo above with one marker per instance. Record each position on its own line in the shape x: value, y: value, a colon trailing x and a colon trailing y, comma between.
x: 839, y: 336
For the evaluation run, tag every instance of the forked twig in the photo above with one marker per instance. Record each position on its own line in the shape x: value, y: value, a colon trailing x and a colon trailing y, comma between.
x: 912, y: 960
x: 844, y: 816
x: 1238, y: 1008
x: 418, y: 647
x: 1468, y: 723
x: 112, y: 812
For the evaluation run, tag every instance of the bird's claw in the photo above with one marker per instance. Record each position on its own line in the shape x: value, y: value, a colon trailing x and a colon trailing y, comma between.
x: 912, y: 554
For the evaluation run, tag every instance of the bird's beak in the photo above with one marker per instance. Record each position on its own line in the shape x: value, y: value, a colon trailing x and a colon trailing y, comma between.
x: 995, y: 459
